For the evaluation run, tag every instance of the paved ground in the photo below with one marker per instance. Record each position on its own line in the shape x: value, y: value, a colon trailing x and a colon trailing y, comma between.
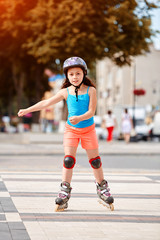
x: 27, y: 194
x: 27, y: 207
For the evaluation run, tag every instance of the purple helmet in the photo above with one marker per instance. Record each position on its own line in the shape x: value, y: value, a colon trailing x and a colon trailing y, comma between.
x: 74, y: 62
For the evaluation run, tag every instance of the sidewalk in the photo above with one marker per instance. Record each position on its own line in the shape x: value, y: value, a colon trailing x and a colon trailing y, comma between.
x: 27, y: 208
x: 37, y: 143
x: 27, y: 197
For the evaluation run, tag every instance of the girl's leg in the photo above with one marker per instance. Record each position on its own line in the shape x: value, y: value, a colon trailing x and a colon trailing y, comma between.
x: 110, y: 132
x: 101, y: 184
x: 67, y: 173
x: 65, y: 188
x: 127, y: 137
x: 112, y: 128
x: 98, y: 173
x: 108, y: 137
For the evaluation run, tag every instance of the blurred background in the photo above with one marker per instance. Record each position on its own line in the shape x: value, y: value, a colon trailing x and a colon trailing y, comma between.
x: 120, y: 42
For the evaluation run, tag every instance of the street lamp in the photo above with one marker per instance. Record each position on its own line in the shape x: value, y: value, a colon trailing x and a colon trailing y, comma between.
x: 136, y: 92
x: 134, y: 96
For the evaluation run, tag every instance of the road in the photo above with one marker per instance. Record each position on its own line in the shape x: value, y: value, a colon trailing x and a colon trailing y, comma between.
x: 51, y: 162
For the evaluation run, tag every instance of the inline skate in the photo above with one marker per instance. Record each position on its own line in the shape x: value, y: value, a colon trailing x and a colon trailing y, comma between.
x: 63, y: 197
x: 103, y: 193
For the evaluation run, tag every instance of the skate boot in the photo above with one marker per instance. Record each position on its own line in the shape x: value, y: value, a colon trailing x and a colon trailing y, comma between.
x: 63, y: 197
x: 103, y: 193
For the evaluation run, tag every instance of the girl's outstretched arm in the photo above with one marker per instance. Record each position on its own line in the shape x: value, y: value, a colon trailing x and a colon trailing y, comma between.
x: 43, y: 104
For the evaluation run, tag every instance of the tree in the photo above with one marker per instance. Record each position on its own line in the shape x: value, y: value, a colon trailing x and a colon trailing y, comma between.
x: 34, y: 34
x: 90, y: 29
x: 26, y: 75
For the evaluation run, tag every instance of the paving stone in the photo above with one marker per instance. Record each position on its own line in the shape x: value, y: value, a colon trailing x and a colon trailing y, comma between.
x: 2, y: 187
x: 12, y: 217
x: 4, y: 227
x: 16, y: 226
x: 2, y: 217
x: 5, y: 236
x: 7, y: 204
x: 1, y: 209
x: 19, y: 234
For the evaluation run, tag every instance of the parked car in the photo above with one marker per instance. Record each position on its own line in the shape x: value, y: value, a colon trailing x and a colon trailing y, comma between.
x: 155, y: 130
x: 142, y: 130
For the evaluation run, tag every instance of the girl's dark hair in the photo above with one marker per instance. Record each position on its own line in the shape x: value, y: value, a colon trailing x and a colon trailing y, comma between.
x: 86, y: 81
x: 109, y: 112
x: 126, y: 110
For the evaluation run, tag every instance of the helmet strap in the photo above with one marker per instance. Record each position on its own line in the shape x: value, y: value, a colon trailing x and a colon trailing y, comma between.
x: 76, y: 87
x: 76, y: 90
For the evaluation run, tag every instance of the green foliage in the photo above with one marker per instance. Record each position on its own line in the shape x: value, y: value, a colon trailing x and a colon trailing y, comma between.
x: 33, y: 34
x: 90, y: 29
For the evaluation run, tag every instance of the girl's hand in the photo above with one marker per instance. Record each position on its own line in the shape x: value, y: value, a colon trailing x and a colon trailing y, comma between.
x: 22, y: 112
x: 74, y: 120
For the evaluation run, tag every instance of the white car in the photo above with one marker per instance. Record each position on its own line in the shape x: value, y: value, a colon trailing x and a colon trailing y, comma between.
x: 155, y: 131
x: 142, y: 129
x: 156, y: 124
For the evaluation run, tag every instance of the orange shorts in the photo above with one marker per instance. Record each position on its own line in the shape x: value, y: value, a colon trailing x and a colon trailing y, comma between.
x: 87, y: 135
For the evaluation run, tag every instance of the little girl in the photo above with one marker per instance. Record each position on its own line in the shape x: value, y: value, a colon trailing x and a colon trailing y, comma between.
x: 80, y: 93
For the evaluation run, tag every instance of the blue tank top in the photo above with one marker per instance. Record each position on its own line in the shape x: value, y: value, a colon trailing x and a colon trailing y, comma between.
x: 77, y: 108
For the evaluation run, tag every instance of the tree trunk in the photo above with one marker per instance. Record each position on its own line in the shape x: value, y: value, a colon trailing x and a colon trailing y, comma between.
x: 18, y: 80
x: 39, y: 89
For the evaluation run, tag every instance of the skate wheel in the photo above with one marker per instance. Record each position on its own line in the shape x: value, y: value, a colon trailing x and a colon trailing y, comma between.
x: 61, y: 208
x: 111, y: 206
x: 58, y: 208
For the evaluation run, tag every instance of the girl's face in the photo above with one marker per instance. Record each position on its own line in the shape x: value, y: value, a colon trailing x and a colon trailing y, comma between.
x: 75, y: 75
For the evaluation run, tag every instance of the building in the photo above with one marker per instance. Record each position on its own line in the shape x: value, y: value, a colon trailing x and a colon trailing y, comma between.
x: 116, y: 84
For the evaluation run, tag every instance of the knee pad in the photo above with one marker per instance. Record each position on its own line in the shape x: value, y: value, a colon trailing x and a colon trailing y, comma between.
x: 95, y: 162
x: 69, y: 162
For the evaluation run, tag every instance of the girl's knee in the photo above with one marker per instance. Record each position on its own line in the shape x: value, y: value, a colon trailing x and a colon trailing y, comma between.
x: 96, y: 162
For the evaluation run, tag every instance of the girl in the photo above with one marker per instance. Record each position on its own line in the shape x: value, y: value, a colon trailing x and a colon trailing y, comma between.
x: 127, y: 125
x: 80, y: 94
x: 110, y: 123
